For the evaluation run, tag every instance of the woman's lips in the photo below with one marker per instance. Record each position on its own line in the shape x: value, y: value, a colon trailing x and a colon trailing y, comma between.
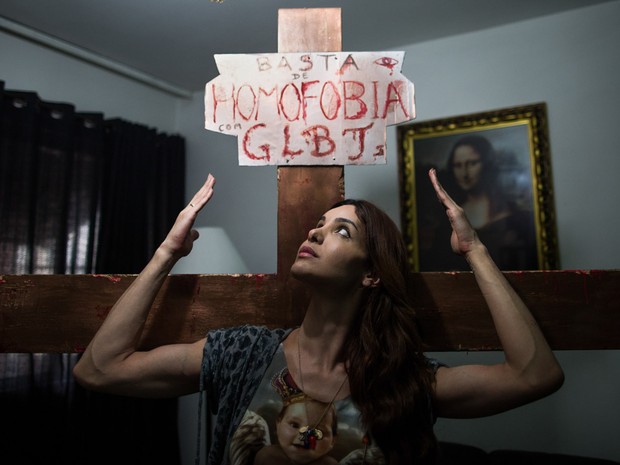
x: 306, y: 251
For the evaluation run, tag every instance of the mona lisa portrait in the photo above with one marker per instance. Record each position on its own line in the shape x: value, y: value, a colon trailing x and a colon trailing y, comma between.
x: 497, y: 167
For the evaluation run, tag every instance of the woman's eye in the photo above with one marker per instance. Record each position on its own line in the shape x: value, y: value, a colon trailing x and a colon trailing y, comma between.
x: 343, y: 232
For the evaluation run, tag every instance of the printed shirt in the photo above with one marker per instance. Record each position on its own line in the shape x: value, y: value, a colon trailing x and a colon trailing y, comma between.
x: 269, y: 432
x: 238, y: 367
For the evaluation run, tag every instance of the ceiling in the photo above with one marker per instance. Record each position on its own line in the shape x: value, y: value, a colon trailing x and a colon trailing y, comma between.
x: 175, y: 40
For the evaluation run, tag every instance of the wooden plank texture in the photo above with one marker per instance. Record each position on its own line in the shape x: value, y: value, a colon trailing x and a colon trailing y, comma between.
x: 309, y: 30
x: 60, y: 313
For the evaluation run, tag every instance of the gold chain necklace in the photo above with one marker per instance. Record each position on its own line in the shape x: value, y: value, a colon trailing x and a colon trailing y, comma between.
x: 307, y: 435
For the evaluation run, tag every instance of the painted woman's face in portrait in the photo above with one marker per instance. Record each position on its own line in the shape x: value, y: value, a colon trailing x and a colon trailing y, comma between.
x: 296, y: 416
x: 467, y: 167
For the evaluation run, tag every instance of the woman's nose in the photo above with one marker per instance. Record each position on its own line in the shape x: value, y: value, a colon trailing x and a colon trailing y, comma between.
x: 314, y: 235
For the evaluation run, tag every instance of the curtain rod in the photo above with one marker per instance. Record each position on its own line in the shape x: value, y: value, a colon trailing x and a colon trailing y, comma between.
x: 92, y: 58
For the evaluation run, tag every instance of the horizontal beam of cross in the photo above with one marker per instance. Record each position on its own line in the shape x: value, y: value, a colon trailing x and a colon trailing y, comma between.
x: 61, y: 313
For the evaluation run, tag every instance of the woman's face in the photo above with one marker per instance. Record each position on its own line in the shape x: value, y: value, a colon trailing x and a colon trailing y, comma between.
x: 296, y: 416
x: 335, y: 250
x: 466, y: 167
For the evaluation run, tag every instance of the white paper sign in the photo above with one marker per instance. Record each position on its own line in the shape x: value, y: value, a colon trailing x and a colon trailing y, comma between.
x: 309, y: 108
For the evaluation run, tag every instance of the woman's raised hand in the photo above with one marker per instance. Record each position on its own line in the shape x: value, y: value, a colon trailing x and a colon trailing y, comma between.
x: 464, y: 236
x: 181, y: 236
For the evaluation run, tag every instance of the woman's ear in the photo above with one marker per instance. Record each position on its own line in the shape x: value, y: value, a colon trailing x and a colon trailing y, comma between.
x: 370, y: 280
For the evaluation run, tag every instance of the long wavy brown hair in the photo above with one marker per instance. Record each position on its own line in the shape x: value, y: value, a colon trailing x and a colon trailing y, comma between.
x: 390, y: 378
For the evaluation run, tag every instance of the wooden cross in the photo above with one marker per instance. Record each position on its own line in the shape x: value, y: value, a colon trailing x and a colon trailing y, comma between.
x: 61, y: 313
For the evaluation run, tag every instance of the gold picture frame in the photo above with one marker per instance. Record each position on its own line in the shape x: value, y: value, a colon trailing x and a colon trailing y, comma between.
x: 507, y: 191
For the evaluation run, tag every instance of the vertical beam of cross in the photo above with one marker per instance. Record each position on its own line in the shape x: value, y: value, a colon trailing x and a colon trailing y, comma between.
x: 305, y: 192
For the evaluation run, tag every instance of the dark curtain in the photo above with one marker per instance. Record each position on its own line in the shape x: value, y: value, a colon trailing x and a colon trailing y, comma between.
x: 142, y: 190
x: 80, y: 194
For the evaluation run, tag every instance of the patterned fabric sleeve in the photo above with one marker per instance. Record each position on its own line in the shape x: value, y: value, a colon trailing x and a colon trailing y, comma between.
x: 234, y: 361
x: 434, y: 364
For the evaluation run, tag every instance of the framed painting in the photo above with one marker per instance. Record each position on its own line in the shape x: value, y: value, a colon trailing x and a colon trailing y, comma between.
x: 497, y: 166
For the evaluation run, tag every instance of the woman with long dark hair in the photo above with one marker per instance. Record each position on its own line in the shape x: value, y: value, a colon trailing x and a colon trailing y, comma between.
x: 357, y: 351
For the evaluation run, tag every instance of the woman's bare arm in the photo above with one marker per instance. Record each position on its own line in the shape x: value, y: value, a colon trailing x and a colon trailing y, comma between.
x: 530, y: 370
x: 111, y: 362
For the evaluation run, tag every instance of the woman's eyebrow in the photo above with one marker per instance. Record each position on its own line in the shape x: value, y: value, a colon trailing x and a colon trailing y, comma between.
x: 346, y: 220
x: 340, y: 220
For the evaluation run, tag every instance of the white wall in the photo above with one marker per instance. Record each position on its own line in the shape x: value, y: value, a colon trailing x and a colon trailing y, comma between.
x: 568, y: 60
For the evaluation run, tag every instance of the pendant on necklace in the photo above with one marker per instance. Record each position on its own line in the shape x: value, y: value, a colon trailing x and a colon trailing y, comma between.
x: 309, y: 436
